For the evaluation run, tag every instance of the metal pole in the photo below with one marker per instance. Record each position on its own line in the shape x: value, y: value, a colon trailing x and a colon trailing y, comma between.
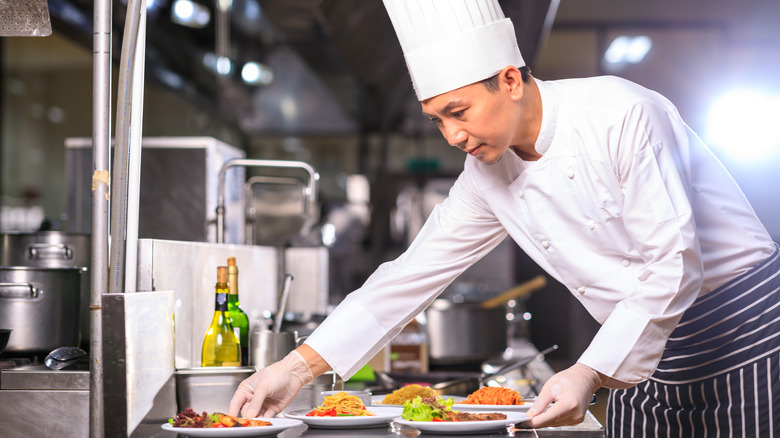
x: 101, y: 140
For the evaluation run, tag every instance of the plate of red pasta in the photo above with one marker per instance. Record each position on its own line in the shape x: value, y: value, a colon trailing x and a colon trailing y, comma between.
x: 489, y: 398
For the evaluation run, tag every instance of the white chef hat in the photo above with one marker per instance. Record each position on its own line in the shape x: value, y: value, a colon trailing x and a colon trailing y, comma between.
x: 449, y: 44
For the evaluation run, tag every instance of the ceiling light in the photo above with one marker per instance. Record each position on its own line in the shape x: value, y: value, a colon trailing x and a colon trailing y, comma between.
x: 255, y: 73
x: 220, y: 65
x: 628, y: 50
x: 190, y: 14
x: 224, y: 66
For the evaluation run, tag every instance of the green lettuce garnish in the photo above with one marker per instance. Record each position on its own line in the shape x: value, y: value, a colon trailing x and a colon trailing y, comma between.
x: 426, y: 410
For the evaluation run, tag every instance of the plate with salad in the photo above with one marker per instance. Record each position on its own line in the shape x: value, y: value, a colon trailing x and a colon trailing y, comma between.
x: 344, y: 411
x: 435, y: 415
x: 218, y: 425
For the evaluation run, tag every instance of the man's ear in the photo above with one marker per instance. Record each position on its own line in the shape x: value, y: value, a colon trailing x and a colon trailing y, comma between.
x: 511, y: 80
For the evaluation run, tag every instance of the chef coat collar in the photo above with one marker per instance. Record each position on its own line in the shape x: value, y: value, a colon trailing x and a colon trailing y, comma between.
x: 549, y: 117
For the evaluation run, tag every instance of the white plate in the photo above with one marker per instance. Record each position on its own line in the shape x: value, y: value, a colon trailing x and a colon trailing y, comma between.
x: 376, y: 400
x: 384, y: 415
x: 465, y: 427
x: 277, y: 425
x: 493, y: 408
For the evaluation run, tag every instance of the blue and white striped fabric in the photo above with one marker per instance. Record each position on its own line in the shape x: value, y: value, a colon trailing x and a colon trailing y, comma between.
x: 720, y: 373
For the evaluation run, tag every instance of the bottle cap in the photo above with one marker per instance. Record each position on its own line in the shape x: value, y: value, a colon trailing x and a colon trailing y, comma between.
x: 222, y: 274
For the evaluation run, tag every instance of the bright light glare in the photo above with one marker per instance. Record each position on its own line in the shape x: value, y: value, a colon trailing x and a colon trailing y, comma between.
x: 224, y: 66
x: 254, y: 73
x: 190, y: 14
x: 743, y: 124
x: 626, y: 49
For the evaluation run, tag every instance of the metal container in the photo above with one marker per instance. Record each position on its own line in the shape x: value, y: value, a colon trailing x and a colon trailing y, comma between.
x: 464, y: 332
x: 208, y: 388
x: 52, y: 249
x: 267, y: 346
x: 41, y: 306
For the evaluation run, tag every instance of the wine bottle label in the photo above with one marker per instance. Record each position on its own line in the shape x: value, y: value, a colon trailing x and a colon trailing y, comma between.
x: 221, y: 302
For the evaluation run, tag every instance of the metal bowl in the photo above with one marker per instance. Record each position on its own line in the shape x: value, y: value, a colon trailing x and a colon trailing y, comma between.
x: 4, y: 335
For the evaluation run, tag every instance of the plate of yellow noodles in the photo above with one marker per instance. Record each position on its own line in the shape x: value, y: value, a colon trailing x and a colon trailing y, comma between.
x: 408, y: 393
x: 344, y: 411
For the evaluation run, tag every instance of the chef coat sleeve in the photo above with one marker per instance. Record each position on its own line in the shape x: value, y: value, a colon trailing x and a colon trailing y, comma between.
x: 459, y: 232
x: 652, y: 161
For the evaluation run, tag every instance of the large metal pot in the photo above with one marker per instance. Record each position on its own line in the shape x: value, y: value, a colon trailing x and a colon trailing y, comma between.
x: 51, y: 249
x: 464, y: 332
x: 41, y: 306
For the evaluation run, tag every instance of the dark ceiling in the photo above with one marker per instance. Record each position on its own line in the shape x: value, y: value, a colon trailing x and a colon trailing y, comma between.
x: 340, y: 58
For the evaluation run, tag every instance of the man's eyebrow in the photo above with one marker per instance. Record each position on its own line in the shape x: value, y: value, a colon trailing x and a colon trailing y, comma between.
x: 447, y: 109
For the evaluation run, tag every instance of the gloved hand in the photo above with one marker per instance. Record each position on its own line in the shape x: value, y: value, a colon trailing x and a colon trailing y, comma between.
x: 268, y: 391
x: 572, y: 390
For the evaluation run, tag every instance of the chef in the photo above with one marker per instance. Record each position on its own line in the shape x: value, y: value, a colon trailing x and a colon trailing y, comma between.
x: 604, y: 186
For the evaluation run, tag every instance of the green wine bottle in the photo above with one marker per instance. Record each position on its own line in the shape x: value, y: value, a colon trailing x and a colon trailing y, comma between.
x: 237, y: 316
x: 221, y: 347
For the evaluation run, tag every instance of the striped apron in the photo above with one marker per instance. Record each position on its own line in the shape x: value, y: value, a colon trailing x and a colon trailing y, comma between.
x: 719, y: 375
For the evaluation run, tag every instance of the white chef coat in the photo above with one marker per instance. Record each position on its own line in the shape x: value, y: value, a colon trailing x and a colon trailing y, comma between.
x: 626, y: 208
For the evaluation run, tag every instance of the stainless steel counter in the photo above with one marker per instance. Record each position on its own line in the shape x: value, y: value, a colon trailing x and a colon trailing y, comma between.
x: 37, y: 401
x: 590, y: 428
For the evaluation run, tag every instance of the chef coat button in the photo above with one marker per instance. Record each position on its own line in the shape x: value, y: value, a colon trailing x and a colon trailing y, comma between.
x: 570, y: 172
x: 581, y: 290
x: 626, y: 262
x: 546, y: 244
x: 520, y: 194
x: 592, y: 225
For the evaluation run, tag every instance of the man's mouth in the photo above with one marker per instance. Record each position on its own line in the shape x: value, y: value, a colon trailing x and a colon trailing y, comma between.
x: 475, y: 150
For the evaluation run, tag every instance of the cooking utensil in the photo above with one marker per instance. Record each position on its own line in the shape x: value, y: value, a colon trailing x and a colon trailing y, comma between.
x: 268, y: 346
x: 282, y: 303
x: 515, y: 365
x: 41, y: 306
x: 467, y: 385
x: 5, y: 334
x: 24, y: 18
x: 64, y: 356
x: 52, y: 249
x: 516, y: 292
x: 460, y: 333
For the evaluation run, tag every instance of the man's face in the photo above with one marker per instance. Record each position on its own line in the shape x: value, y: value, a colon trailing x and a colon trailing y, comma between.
x: 474, y: 119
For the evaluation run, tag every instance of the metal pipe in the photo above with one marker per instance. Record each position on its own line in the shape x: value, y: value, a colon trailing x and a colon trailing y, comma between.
x: 311, y: 189
x: 134, y: 159
x: 127, y: 145
x: 101, y: 151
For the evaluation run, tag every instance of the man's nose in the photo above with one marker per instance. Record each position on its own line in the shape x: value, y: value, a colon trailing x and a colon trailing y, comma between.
x: 454, y: 134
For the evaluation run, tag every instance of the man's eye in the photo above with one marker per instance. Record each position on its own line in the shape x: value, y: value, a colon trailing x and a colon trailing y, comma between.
x: 457, y: 114
x: 434, y: 120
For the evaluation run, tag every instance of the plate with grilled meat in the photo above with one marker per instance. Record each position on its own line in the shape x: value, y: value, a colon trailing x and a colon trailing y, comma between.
x: 465, y: 423
x: 218, y: 425
x: 434, y: 415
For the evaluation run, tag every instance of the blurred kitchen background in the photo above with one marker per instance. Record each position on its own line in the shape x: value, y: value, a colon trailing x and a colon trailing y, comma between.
x: 323, y: 82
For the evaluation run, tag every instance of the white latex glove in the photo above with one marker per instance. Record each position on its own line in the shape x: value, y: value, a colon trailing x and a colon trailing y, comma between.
x: 572, y: 390
x: 268, y: 391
